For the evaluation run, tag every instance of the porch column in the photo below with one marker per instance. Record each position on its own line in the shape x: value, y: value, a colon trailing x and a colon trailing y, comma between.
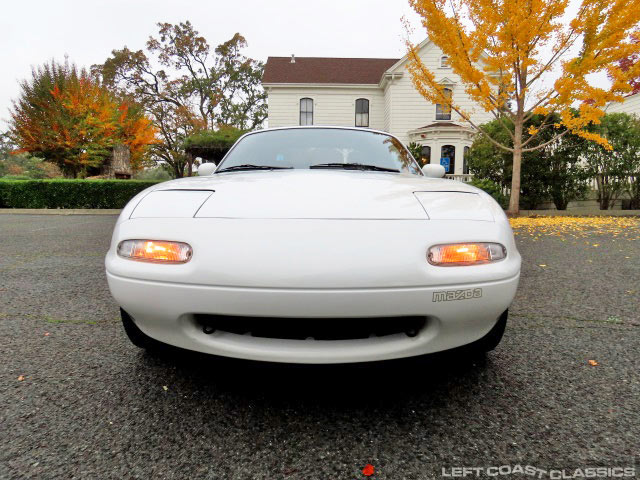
x: 459, y: 157
x: 435, y: 153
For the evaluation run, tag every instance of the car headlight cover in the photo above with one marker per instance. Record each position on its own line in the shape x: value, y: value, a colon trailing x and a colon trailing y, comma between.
x: 155, y: 251
x: 459, y: 254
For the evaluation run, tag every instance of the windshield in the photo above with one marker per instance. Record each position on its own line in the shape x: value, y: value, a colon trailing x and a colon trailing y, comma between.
x: 320, y: 148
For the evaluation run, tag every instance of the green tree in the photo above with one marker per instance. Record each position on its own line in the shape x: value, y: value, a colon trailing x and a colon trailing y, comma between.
x: 564, y: 172
x: 186, y: 87
x: 487, y: 161
x: 6, y: 145
x: 243, y: 101
x: 416, y: 151
x: 554, y: 171
x: 612, y: 168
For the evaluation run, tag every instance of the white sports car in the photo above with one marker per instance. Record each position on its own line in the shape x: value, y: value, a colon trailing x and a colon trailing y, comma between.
x: 314, y: 245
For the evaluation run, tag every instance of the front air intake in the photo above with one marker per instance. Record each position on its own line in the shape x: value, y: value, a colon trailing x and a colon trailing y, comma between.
x: 311, y: 328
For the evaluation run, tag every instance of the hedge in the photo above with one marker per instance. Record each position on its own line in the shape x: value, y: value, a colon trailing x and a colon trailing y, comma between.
x: 493, y: 189
x: 58, y: 193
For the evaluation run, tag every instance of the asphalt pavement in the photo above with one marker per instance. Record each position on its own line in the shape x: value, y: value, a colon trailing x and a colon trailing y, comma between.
x: 77, y: 400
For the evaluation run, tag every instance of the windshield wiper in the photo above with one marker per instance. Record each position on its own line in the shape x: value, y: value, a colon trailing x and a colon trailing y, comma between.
x: 248, y: 166
x: 355, y: 166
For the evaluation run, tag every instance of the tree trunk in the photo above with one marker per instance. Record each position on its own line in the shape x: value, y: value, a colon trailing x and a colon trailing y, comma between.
x: 603, y: 192
x: 560, y: 201
x: 514, y: 200
x: 189, y: 164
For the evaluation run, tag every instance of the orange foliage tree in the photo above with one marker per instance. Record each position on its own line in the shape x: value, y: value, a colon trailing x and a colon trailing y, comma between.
x: 507, y: 52
x: 65, y: 116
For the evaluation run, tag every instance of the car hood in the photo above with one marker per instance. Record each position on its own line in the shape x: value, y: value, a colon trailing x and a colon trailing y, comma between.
x: 305, y: 194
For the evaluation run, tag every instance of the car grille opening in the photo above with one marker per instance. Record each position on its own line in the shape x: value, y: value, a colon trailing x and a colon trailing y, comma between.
x: 311, y: 328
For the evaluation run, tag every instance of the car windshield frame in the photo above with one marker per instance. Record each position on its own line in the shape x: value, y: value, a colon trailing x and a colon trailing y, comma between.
x: 404, y: 162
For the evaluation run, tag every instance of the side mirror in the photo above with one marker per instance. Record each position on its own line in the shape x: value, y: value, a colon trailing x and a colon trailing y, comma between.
x: 206, y: 169
x: 433, y: 170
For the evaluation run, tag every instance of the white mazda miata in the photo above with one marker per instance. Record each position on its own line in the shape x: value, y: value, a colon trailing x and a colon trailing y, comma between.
x: 314, y: 245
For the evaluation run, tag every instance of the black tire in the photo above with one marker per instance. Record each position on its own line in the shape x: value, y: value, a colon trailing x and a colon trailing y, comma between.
x: 137, y: 336
x: 491, y: 339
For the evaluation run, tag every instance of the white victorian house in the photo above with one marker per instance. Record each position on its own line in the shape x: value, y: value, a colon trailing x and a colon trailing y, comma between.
x: 376, y: 93
x: 630, y: 105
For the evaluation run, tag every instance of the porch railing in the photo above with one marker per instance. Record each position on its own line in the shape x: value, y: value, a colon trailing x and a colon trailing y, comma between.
x: 461, y: 177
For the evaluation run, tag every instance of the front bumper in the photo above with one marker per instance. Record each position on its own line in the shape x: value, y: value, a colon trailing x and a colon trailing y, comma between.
x: 165, y: 311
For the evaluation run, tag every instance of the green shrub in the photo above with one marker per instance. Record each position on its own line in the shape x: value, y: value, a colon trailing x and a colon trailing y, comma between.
x: 212, y: 145
x: 416, y: 150
x: 157, y: 174
x: 24, y: 165
x: 492, y: 188
x: 61, y: 193
x: 224, y: 137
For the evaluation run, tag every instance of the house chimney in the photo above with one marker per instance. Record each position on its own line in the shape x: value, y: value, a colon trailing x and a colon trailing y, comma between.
x: 293, y: 58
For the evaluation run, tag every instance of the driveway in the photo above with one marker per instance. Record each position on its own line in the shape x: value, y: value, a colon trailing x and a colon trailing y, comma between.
x: 79, y: 401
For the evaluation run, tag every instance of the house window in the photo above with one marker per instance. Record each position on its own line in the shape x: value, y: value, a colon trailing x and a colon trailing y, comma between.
x: 306, y: 111
x: 425, y: 154
x: 465, y: 161
x: 448, y: 156
x: 444, y: 62
x: 443, y: 112
x: 362, y: 112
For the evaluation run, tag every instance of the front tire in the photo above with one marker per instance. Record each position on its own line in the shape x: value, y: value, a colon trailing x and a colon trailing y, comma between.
x: 137, y: 336
x: 491, y: 340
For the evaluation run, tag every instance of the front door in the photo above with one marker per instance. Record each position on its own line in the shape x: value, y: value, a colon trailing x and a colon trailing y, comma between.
x: 448, y: 157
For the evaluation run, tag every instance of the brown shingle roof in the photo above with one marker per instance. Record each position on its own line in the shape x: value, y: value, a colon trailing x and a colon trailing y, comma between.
x: 326, y: 70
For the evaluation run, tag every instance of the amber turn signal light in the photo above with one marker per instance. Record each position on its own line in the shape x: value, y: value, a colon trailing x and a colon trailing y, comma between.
x: 155, y: 251
x: 458, y: 254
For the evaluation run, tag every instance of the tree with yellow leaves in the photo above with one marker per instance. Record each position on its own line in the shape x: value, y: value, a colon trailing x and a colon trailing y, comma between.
x: 505, y: 51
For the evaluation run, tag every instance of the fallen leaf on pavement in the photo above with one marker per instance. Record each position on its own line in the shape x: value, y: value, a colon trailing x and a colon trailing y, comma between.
x: 593, y: 363
x: 21, y: 378
x: 368, y: 470
x: 576, y: 227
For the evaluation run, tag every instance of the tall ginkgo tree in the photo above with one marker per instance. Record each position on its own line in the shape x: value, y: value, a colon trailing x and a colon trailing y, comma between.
x: 519, y: 58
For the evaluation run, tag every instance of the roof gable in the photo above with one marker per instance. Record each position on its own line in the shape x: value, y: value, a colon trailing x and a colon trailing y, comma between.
x: 355, y: 71
x: 400, y: 63
x: 422, y: 47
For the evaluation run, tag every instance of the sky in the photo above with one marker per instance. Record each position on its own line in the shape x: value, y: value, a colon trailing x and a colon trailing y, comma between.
x: 34, y: 31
